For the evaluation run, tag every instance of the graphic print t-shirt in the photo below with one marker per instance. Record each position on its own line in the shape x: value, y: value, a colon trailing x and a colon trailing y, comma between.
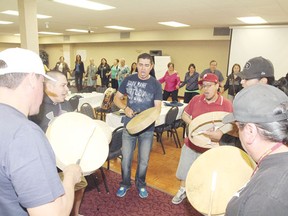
x: 140, y: 93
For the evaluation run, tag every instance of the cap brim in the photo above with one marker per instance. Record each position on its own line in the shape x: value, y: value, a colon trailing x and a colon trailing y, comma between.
x: 241, y: 75
x: 50, y: 78
x: 229, y: 118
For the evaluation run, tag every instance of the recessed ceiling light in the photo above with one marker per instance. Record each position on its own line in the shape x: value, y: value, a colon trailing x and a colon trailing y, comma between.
x: 10, y: 12
x: 252, y: 20
x: 85, y: 4
x: 80, y: 30
x: 16, y: 13
x: 49, y: 33
x: 173, y: 24
x: 5, y: 22
x: 120, y: 28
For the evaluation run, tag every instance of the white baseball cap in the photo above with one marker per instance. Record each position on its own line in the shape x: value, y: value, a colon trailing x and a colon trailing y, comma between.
x: 18, y: 60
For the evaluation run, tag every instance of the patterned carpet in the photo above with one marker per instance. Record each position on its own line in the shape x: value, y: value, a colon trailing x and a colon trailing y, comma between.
x: 108, y: 204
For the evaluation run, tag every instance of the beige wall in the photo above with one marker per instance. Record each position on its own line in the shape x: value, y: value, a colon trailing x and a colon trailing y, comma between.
x: 185, y: 46
x: 182, y: 53
x: 4, y: 46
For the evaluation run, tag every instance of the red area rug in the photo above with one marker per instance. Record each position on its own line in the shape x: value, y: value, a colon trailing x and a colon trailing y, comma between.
x: 108, y: 204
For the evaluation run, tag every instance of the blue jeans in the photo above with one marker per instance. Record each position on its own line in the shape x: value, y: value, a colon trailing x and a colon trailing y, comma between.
x: 145, y: 140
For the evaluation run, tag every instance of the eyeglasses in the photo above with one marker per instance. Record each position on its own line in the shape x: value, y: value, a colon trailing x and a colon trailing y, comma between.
x: 207, y: 85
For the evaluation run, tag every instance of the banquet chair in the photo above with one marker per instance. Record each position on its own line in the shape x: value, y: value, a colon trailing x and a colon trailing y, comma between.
x: 88, y: 110
x: 106, y: 106
x: 181, y: 123
x: 101, y: 89
x: 74, y: 101
x: 115, y: 145
x: 93, y: 179
x: 169, y: 126
x: 114, y: 152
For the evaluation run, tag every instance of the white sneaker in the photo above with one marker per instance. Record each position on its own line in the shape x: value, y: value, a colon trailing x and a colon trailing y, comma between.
x: 180, y: 196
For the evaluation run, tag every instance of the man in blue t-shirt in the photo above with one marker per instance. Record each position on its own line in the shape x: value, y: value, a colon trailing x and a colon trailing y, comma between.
x: 29, y: 183
x: 143, y: 91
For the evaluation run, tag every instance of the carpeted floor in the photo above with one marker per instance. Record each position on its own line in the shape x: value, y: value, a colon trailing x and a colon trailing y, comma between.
x: 157, y: 203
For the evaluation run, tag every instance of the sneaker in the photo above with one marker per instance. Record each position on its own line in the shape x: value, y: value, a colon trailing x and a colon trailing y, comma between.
x: 143, y: 193
x: 179, y: 197
x: 122, y: 191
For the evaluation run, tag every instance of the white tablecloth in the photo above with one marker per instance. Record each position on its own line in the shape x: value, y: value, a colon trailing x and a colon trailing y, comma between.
x: 114, y: 120
x: 94, y: 99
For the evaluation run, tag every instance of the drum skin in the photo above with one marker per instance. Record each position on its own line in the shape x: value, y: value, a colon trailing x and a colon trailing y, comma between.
x: 215, y: 176
x: 142, y: 120
x: 75, y: 136
x: 205, y: 122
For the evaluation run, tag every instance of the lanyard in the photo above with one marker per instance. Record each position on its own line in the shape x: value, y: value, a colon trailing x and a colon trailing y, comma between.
x: 269, y: 151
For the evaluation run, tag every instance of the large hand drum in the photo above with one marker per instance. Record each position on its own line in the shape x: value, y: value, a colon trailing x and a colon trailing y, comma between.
x: 78, y: 138
x: 206, y: 122
x: 142, y: 120
x: 215, y: 176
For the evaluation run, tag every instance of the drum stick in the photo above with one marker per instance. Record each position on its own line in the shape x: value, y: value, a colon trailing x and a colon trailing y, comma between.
x: 213, y: 187
x: 202, y: 131
x: 79, y: 160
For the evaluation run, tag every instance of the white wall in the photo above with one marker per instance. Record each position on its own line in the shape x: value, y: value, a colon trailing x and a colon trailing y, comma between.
x: 270, y: 42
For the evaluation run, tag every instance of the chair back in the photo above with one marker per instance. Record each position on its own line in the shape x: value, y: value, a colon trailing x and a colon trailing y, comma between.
x: 108, y: 99
x: 116, y: 143
x: 74, y: 101
x: 101, y: 89
x: 171, y: 115
x: 88, y: 110
x: 114, y: 108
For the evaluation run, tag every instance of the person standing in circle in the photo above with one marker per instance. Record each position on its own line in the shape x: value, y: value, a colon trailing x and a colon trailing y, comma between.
x: 172, y: 83
x: 103, y: 72
x: 191, y: 82
x: 79, y: 71
x: 114, y: 73
x: 62, y: 66
x: 233, y: 82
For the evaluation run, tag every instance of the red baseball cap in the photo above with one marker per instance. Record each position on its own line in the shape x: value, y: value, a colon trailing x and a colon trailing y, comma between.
x: 209, y: 77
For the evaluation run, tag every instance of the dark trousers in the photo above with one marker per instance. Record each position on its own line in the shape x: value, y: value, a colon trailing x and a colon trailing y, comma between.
x: 78, y: 81
x: 189, y: 95
x: 174, y: 95
x: 105, y: 82
x: 114, y: 84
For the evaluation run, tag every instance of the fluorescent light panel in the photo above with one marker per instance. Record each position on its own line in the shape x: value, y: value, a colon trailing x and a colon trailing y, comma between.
x: 85, y: 4
x: 173, y: 24
x: 49, y: 33
x: 5, y: 22
x: 79, y: 30
x: 16, y: 13
x: 45, y: 33
x: 119, y: 28
x: 252, y: 20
